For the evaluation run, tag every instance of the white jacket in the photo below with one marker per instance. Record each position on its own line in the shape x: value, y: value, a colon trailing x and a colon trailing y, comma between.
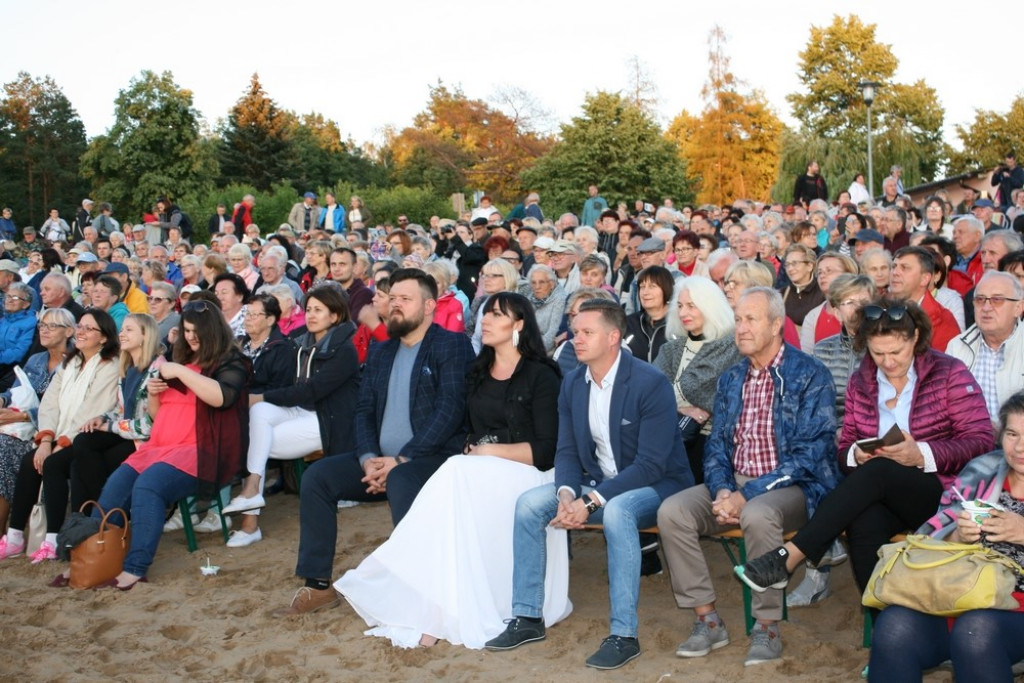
x: 1010, y: 378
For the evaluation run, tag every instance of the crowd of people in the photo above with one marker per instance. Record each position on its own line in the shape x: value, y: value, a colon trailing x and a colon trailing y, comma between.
x: 504, y: 379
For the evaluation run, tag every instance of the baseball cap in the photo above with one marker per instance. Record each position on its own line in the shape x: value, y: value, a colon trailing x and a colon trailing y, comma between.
x: 983, y: 203
x: 115, y: 268
x: 310, y: 195
x: 9, y: 266
x: 562, y: 247
x: 28, y: 230
x: 190, y: 289
x: 479, y: 222
x: 544, y: 243
x: 867, y: 235
x: 87, y: 257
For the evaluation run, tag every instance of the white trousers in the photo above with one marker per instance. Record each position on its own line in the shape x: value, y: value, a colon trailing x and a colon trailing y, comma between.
x: 282, y: 433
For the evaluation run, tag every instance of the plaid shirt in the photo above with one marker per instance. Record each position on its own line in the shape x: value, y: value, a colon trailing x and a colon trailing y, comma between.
x: 754, y: 451
x: 985, y: 368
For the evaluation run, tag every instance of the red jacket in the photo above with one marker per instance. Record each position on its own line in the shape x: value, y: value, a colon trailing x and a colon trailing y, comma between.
x: 449, y: 314
x: 947, y: 412
x: 944, y: 325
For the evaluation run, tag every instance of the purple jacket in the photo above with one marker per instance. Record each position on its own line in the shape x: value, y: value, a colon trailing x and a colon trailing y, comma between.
x: 947, y: 411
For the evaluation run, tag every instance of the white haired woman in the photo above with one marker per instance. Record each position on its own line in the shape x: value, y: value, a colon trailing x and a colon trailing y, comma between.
x: 700, y: 348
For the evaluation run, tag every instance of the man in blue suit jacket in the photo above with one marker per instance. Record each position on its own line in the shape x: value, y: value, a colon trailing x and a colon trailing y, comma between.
x: 410, y: 418
x: 605, y: 473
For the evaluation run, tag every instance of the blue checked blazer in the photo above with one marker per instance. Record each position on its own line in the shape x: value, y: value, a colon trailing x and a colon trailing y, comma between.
x: 437, y: 400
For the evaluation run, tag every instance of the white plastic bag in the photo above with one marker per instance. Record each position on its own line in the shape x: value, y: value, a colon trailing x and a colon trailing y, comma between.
x: 23, y: 397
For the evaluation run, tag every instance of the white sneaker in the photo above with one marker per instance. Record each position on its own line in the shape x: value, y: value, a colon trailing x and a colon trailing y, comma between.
x: 834, y: 556
x: 241, y: 504
x: 211, y: 523
x: 342, y: 504
x: 814, y: 588
x: 175, y: 523
x: 240, y: 539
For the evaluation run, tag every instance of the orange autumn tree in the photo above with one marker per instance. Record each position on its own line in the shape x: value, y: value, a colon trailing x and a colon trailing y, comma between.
x: 732, y: 147
x: 461, y: 144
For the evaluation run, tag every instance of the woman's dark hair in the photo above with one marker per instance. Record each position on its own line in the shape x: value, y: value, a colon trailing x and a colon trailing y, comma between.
x: 331, y: 297
x: 688, y: 236
x: 271, y: 306
x: 91, y: 276
x: 660, y: 276
x: 51, y: 259
x: 108, y: 328
x: 236, y: 280
x: 283, y: 241
x: 1011, y: 259
x: 914, y: 320
x: 800, y: 230
x: 1013, y: 406
x: 215, y: 338
x: 531, y: 343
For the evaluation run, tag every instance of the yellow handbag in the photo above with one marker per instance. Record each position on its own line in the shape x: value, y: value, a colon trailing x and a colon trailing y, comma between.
x: 941, y: 578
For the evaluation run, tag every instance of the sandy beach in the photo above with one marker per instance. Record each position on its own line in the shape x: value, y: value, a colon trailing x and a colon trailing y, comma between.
x: 183, y: 626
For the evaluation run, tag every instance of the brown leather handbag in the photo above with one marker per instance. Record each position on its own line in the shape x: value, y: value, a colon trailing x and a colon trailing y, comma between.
x: 100, y: 557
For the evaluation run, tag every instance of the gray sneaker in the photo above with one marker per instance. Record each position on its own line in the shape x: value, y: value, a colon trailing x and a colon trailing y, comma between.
x: 705, y: 637
x: 765, y: 644
x: 814, y: 588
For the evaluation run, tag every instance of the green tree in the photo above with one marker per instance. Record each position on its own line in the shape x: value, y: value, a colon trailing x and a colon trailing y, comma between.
x: 906, y: 118
x: 323, y: 158
x: 153, y: 150
x: 732, y: 149
x: 988, y: 138
x: 616, y: 145
x: 256, y: 146
x: 41, y: 140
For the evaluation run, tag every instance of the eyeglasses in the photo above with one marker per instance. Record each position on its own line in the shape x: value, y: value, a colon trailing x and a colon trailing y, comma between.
x: 19, y: 298
x: 491, y: 275
x: 511, y: 259
x: 249, y: 313
x: 49, y: 327
x: 683, y: 250
x: 197, y: 306
x: 794, y: 263
x: 86, y: 328
x: 154, y: 299
x: 894, y: 313
x: 729, y: 284
x: 996, y: 301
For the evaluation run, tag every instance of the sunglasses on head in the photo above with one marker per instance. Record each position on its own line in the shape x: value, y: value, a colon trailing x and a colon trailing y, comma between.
x: 894, y: 313
x: 199, y: 306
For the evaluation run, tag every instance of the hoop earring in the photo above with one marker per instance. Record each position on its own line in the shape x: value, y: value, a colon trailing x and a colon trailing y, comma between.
x: 515, y: 338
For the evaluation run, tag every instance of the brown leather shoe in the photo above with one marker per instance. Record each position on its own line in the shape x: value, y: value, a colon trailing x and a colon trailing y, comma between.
x: 308, y: 600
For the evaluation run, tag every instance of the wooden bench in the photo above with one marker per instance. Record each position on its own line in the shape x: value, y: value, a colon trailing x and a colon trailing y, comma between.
x: 300, y: 466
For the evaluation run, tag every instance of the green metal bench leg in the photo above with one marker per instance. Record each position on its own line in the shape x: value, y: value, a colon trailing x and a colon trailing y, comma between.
x: 184, y: 506
x: 739, y: 558
x: 869, y: 625
x: 222, y: 495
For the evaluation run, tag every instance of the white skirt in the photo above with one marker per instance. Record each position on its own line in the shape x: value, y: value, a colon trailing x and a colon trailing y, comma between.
x: 446, y: 570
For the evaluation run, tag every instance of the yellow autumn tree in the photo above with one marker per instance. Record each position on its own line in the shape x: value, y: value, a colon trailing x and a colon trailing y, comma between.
x: 732, y: 147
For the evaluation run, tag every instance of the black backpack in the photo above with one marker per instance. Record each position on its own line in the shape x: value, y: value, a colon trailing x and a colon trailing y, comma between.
x: 186, y: 225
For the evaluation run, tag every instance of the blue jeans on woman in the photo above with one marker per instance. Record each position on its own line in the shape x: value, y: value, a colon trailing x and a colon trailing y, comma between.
x: 147, y: 496
x: 622, y: 517
x: 983, y: 645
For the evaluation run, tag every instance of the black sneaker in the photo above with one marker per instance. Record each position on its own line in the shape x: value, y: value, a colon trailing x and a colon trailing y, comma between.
x: 766, y: 571
x: 518, y: 632
x: 614, y: 652
x: 650, y: 563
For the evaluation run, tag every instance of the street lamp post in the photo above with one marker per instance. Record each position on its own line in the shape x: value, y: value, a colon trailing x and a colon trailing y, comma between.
x: 868, y: 90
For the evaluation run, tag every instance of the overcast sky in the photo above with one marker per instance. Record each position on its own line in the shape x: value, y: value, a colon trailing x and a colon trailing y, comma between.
x: 369, y: 64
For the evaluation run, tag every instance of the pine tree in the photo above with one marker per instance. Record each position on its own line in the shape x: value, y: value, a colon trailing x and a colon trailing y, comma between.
x: 256, y: 147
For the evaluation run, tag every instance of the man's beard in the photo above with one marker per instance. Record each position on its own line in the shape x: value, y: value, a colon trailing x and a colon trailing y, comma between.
x: 399, y: 327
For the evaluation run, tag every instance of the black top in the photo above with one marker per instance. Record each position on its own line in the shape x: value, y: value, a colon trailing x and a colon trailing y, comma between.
x: 523, y: 408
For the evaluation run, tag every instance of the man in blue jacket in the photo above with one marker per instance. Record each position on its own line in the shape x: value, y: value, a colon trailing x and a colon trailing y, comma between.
x: 768, y: 462
x: 619, y: 456
x: 410, y: 418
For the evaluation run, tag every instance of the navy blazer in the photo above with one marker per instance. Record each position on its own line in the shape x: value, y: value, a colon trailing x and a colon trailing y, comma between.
x: 644, y: 431
x: 437, y: 395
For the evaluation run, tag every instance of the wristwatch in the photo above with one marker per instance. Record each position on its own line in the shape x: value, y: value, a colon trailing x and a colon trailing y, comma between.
x: 591, y: 504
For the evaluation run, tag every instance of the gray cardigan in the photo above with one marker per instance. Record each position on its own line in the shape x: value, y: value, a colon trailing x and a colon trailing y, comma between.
x: 699, y: 380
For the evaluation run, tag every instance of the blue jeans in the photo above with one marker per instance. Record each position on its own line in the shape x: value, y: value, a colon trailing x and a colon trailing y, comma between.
x: 983, y: 645
x: 621, y: 517
x: 147, y: 496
